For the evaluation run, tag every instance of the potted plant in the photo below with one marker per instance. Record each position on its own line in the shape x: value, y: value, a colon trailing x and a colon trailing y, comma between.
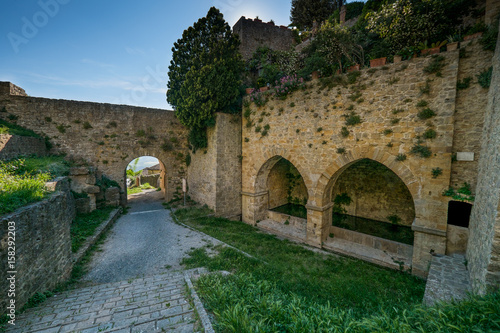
x: 378, y: 62
x: 248, y: 91
x: 452, y: 42
x: 475, y: 31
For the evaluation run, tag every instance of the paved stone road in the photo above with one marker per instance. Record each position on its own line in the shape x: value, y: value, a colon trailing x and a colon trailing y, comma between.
x: 134, y: 285
x: 143, y: 242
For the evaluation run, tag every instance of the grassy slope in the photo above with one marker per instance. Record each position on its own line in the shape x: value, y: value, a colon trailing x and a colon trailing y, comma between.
x: 299, y: 290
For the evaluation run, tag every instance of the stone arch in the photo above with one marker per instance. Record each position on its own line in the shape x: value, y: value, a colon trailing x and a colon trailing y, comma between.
x: 260, y: 184
x: 329, y: 177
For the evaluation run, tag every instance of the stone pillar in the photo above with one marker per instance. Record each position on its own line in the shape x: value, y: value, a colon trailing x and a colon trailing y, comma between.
x: 426, y: 241
x: 483, y: 248
x: 255, y: 206
x: 492, y: 11
x: 319, y: 220
x: 343, y: 11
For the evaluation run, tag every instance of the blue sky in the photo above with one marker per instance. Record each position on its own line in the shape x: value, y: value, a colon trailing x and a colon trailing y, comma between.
x: 105, y: 51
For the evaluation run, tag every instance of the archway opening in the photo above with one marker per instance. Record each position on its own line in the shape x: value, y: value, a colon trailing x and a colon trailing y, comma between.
x: 145, y: 174
x: 370, y: 198
x: 287, y: 190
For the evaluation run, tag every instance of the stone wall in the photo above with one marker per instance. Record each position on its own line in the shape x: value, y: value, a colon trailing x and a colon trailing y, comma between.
x: 376, y: 193
x: 105, y: 136
x: 42, y: 245
x: 255, y: 33
x: 307, y: 128
x: 469, y: 113
x: 12, y: 146
x: 483, y: 249
x: 215, y: 172
x: 7, y: 88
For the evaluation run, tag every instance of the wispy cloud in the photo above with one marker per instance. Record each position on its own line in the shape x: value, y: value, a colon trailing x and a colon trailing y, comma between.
x: 97, y: 83
x: 135, y: 51
x: 97, y: 63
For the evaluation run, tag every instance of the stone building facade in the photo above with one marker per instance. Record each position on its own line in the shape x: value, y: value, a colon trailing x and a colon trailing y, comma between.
x: 311, y: 130
x: 255, y: 33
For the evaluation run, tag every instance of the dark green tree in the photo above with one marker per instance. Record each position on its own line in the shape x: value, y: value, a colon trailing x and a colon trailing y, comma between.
x: 204, y: 75
x: 305, y: 12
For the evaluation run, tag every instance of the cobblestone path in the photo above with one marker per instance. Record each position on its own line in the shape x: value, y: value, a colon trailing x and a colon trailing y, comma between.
x: 135, y: 284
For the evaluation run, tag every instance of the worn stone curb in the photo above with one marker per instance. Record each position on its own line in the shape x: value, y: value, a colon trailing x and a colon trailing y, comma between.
x: 201, y: 232
x: 113, y: 216
x: 205, y: 320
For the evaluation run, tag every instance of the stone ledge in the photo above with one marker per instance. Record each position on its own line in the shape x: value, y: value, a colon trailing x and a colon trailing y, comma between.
x: 429, y: 231
x: 320, y: 209
x: 113, y: 216
x: 253, y: 195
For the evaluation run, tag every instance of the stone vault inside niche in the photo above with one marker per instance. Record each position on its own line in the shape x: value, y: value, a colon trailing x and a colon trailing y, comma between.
x: 376, y: 193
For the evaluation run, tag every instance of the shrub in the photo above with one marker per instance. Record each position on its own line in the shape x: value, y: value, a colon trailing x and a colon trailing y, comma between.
x: 422, y: 104
x: 464, y: 84
x: 140, y: 133
x: 422, y: 151
x: 61, y: 128
x: 426, y: 114
x: 352, y: 119
x: 86, y: 125
x: 435, y: 66
x: 430, y: 134
x: 436, y: 172
x: 387, y: 131
x: 401, y: 157
x: 484, y: 79
x: 344, y: 132
x: 341, y: 150
x: 287, y: 85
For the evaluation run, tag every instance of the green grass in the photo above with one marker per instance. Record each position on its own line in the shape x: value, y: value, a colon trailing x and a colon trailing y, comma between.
x: 22, y: 181
x: 354, y: 284
x: 13, y: 129
x: 287, y: 288
x: 135, y: 190
x: 84, y: 226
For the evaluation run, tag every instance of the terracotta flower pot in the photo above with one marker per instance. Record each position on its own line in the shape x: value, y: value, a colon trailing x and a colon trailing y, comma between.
x: 315, y: 75
x: 473, y: 36
x: 353, y: 68
x: 378, y: 62
x: 248, y: 90
x: 262, y: 89
x: 397, y: 59
x: 452, y: 46
x: 433, y: 50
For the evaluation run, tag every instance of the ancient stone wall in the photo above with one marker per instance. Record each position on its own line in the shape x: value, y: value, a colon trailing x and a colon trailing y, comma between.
x: 376, y: 193
x: 12, y: 146
x: 483, y: 250
x: 469, y: 113
x: 42, y: 245
x: 255, y: 33
x: 307, y: 129
x: 215, y: 172
x: 105, y: 136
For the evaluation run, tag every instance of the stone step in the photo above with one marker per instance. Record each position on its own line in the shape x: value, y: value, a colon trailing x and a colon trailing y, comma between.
x: 142, y: 305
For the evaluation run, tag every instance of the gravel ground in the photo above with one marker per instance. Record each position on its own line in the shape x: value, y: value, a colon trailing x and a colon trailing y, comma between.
x: 144, y: 242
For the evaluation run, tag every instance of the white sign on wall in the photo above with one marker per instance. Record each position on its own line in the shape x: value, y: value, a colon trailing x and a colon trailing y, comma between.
x: 465, y: 156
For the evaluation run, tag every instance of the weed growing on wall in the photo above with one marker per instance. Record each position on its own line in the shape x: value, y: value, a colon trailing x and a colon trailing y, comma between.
x: 464, y: 84
x: 426, y: 114
x: 420, y: 150
x: 464, y: 193
x: 484, y: 79
x: 401, y: 157
x: 435, y: 66
x: 436, y: 172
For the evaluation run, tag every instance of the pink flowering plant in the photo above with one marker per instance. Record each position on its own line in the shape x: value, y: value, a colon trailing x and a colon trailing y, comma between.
x: 286, y: 85
x: 258, y: 97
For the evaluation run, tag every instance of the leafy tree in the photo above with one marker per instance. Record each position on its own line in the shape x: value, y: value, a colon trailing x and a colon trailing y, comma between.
x: 335, y: 42
x: 132, y: 172
x: 305, y: 12
x: 405, y: 23
x: 204, y: 75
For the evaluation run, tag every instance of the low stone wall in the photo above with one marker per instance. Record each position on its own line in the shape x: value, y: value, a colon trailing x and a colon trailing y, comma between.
x: 12, y: 146
x: 152, y: 180
x: 39, y: 234
x: 282, y: 218
x: 456, y: 239
x: 378, y: 243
